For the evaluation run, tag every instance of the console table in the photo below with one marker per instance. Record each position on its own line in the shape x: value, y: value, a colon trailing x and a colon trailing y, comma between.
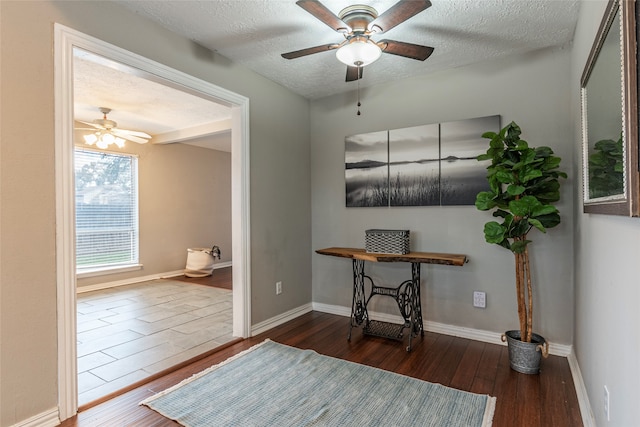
x: 406, y: 295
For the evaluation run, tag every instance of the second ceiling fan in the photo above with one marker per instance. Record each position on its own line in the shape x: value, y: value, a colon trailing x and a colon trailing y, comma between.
x: 106, y: 132
x: 358, y: 23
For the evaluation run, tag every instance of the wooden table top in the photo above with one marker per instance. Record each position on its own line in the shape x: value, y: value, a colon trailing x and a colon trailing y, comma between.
x: 422, y: 257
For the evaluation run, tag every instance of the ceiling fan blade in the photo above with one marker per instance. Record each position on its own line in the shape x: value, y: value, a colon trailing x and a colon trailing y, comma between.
x: 408, y: 50
x: 354, y: 73
x: 397, y: 14
x: 309, y: 51
x: 129, y: 137
x: 94, y: 125
x: 132, y: 132
x: 318, y: 10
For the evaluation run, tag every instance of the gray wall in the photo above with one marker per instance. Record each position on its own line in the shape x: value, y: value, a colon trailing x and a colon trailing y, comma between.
x: 184, y: 202
x: 531, y: 89
x: 280, y: 182
x: 538, y: 90
x: 607, y: 251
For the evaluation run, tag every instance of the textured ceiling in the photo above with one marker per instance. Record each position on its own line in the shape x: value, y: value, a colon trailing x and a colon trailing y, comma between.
x: 135, y: 99
x: 254, y: 33
x: 142, y: 103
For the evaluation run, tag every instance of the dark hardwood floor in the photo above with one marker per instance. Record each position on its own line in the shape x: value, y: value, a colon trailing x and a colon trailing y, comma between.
x: 547, y: 399
x: 220, y: 278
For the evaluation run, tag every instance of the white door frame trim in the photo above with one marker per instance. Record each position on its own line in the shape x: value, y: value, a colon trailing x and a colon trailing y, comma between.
x: 65, y: 39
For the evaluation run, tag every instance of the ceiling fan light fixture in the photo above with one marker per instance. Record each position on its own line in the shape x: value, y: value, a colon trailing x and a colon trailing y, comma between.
x: 90, y: 139
x: 103, y: 140
x: 107, y: 138
x: 102, y: 144
x: 359, y: 51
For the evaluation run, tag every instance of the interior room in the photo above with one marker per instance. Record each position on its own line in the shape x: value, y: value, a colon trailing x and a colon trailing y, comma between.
x: 521, y: 61
x: 133, y: 310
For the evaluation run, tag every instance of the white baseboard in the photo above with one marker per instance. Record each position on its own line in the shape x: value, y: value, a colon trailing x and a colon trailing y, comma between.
x: 440, y: 328
x: 264, y: 326
x: 131, y: 281
x: 45, y: 419
x: 581, y: 390
x: 332, y: 309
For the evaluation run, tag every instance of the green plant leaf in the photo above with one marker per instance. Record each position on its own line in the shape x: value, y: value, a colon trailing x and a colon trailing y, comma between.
x: 523, y: 206
x: 484, y: 200
x: 537, y: 224
x: 513, y: 132
x: 543, y: 210
x: 489, y: 135
x: 501, y: 213
x: 519, y: 228
x: 519, y: 246
x: 494, y: 232
x: 497, y: 143
x: 531, y: 173
x: 514, y: 190
x: 543, y: 151
x: 550, y: 220
x: 504, y: 176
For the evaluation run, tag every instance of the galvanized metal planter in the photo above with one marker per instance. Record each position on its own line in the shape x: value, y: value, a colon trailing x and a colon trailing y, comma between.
x: 525, y: 357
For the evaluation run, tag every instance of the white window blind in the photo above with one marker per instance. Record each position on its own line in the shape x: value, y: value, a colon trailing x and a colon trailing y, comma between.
x: 106, y: 210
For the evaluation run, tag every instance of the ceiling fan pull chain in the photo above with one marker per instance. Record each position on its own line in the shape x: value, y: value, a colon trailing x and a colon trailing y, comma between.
x: 359, y: 104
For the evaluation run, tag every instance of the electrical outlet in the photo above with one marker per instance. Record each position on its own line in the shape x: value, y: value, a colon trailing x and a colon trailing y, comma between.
x: 479, y: 299
x: 278, y: 288
x: 606, y: 403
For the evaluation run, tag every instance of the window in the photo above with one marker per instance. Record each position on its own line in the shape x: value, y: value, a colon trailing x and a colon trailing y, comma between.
x: 106, y: 211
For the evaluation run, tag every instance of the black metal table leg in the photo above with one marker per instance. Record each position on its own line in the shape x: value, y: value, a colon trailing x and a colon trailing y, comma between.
x: 415, y: 323
x: 358, y: 303
x: 415, y: 277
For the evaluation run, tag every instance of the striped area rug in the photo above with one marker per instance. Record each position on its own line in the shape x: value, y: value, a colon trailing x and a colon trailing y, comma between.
x: 272, y: 384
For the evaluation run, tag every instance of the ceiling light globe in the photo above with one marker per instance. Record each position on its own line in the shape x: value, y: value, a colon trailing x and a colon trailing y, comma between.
x: 119, y: 142
x: 90, y: 139
x: 107, y: 138
x: 358, y: 52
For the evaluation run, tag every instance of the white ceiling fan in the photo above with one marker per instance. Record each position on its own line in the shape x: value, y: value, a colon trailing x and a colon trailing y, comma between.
x: 106, y: 132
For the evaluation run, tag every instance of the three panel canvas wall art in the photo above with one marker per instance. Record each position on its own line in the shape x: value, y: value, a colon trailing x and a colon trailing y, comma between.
x: 427, y: 165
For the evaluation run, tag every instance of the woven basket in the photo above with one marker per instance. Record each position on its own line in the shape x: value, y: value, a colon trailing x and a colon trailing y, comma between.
x: 387, y: 241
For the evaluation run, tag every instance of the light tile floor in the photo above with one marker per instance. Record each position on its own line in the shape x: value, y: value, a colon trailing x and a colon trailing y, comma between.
x: 128, y: 333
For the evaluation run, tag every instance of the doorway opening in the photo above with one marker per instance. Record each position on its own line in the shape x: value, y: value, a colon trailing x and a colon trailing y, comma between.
x: 66, y: 40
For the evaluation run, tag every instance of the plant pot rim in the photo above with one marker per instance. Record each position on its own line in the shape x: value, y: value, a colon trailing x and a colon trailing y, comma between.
x: 535, y: 338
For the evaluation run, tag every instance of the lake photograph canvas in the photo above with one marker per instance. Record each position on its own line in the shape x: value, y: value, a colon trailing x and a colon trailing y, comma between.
x: 367, y: 169
x: 426, y: 165
x: 462, y: 177
x: 414, y: 166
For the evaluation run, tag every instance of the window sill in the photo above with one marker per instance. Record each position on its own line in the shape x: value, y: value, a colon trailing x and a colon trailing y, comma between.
x: 103, y: 271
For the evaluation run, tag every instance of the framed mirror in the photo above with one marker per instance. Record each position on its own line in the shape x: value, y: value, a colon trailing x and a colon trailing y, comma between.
x: 609, y: 91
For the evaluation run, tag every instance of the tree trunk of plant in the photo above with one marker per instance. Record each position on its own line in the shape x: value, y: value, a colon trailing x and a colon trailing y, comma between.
x: 522, y: 310
x: 524, y: 293
x: 529, y: 296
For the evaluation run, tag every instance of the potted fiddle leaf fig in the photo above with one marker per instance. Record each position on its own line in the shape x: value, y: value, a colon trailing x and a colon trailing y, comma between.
x: 524, y: 184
